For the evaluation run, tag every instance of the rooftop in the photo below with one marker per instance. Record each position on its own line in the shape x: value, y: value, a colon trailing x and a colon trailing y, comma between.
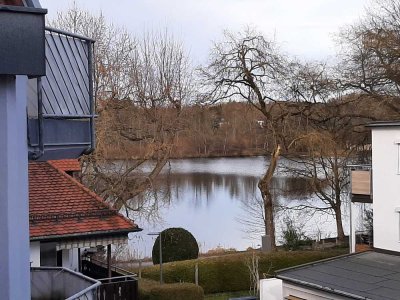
x: 61, y: 207
x: 367, y: 275
x: 383, y: 124
x: 66, y: 165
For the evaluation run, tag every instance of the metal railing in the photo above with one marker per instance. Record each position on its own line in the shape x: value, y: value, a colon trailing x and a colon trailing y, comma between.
x: 68, y: 85
x: 114, y: 268
x: 65, y: 93
x: 123, y: 285
x: 62, y: 283
x: 118, y: 288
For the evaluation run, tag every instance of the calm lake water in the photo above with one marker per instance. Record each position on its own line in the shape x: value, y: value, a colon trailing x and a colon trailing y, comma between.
x: 216, y: 199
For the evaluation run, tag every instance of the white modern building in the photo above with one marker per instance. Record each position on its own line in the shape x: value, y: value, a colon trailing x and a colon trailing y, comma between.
x: 373, y: 274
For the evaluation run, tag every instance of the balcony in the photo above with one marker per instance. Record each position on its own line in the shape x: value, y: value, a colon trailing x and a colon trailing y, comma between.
x: 61, y: 283
x: 361, y: 183
x: 116, y: 283
x: 61, y: 107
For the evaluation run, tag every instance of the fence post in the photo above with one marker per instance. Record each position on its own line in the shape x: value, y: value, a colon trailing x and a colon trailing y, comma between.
x: 140, y: 269
x: 196, y: 273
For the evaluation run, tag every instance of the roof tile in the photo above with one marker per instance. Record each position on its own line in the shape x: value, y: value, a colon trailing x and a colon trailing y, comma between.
x: 60, y: 205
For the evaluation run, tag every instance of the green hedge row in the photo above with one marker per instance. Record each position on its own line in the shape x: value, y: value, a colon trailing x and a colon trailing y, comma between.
x: 230, y: 273
x: 152, y: 290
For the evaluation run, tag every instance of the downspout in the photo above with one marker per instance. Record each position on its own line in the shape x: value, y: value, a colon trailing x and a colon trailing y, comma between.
x: 92, y: 106
x: 39, y: 153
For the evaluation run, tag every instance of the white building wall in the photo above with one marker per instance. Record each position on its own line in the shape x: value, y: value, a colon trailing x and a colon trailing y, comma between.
x: 271, y: 289
x: 70, y: 259
x: 386, y: 187
x: 35, y: 254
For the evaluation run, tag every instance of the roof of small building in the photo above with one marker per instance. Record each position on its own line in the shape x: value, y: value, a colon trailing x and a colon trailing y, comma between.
x: 381, y: 124
x: 366, y: 275
x: 66, y: 165
x: 61, y: 207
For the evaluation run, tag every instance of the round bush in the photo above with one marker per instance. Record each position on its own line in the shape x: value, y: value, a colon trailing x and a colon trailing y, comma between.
x: 177, y: 244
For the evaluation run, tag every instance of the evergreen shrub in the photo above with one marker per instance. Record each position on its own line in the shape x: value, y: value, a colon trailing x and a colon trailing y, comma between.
x: 177, y: 244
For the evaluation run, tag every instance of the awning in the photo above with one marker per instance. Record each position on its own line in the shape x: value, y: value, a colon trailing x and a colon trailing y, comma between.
x: 91, y: 242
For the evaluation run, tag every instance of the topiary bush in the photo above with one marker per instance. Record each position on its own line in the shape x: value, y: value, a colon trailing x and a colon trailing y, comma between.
x: 177, y: 244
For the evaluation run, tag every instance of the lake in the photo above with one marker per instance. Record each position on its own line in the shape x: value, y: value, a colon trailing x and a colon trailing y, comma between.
x: 216, y: 200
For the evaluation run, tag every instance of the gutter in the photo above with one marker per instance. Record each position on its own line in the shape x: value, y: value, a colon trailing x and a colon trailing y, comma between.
x: 88, y: 235
x: 321, y: 261
x: 321, y: 288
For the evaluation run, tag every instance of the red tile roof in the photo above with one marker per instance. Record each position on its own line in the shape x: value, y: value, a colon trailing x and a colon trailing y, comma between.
x: 61, y: 206
x: 66, y: 165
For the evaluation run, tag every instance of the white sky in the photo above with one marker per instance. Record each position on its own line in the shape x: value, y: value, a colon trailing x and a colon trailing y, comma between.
x: 303, y: 27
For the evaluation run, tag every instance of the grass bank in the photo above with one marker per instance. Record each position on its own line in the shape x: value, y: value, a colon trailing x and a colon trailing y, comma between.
x: 230, y: 273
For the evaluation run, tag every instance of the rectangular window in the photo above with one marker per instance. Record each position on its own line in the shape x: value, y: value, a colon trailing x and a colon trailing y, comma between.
x: 397, y: 143
x: 48, y: 255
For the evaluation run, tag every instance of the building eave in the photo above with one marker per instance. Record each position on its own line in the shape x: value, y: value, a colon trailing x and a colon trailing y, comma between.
x: 93, y: 234
x: 320, y: 287
x: 383, y: 124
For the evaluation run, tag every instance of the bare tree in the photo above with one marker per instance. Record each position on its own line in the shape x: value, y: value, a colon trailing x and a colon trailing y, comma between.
x: 331, y: 135
x: 370, y: 53
x: 141, y: 87
x: 113, y: 51
x: 247, y: 66
x: 306, y: 110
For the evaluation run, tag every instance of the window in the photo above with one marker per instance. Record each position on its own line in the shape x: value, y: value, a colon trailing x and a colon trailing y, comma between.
x: 48, y: 254
x: 398, y: 156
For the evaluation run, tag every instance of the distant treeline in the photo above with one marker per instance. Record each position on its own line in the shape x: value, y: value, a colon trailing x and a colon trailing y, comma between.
x: 227, y: 129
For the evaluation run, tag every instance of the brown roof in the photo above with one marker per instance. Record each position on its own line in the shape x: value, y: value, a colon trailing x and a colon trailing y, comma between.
x: 66, y: 165
x: 61, y: 207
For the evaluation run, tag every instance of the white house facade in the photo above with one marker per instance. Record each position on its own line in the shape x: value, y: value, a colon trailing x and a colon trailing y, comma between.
x: 386, y: 185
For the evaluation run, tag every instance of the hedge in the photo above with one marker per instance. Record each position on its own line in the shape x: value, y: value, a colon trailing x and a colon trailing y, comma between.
x: 152, y: 290
x: 230, y: 273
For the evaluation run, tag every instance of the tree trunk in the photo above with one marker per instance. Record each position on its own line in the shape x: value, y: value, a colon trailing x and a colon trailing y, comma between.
x: 264, y: 185
x: 339, y: 224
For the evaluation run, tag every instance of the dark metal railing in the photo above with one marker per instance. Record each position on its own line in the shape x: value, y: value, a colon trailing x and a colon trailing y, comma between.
x: 121, y: 286
x: 64, y: 94
x: 67, y: 85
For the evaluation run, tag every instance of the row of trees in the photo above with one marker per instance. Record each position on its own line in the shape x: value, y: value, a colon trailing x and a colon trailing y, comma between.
x: 308, y: 107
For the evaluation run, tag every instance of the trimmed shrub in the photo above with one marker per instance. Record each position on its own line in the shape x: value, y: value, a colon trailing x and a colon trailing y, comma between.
x: 229, y: 273
x: 177, y: 244
x: 152, y: 290
x: 294, y: 237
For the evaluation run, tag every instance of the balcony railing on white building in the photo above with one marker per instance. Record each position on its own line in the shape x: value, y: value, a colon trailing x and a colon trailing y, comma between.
x: 361, y: 183
x: 61, y: 283
x: 61, y: 108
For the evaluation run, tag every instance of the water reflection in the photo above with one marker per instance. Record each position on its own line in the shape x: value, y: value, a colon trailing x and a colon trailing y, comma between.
x: 209, y: 196
x: 203, y: 187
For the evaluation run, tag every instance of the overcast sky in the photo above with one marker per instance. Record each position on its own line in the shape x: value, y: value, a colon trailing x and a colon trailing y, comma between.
x: 303, y: 27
